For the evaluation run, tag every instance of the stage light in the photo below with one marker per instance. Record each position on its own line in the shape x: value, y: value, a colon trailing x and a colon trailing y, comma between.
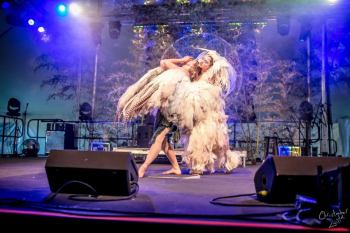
x: 85, y: 112
x: 74, y: 9
x: 305, y: 31
x: 41, y: 29
x: 283, y: 24
x: 31, y: 22
x: 114, y: 29
x: 61, y: 9
x: 306, y: 111
x: 332, y: 1
x: 31, y: 148
x: 13, y: 107
x: 5, y: 5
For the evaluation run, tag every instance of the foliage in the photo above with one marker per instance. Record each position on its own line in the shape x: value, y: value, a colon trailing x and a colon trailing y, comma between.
x: 338, y: 51
x: 59, y: 82
x: 271, y: 88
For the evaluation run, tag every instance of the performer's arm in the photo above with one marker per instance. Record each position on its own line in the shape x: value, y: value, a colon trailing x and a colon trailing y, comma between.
x: 174, y: 63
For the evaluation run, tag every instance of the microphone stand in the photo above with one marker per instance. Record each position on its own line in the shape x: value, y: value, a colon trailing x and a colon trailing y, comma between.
x: 24, y: 125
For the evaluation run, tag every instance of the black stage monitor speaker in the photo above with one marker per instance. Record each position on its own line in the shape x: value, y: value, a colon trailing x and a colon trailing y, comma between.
x: 109, y: 173
x: 280, y: 179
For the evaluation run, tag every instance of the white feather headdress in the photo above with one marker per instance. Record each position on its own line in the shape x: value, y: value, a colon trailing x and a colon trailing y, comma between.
x: 221, y: 73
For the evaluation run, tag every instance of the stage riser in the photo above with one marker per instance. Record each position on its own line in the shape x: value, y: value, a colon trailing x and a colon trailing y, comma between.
x: 161, y: 159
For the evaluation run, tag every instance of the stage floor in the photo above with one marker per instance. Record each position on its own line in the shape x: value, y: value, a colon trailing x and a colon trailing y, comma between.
x: 164, y: 196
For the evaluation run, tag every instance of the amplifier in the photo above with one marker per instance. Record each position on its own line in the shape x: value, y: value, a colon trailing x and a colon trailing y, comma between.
x: 55, y: 126
x: 54, y: 141
x: 60, y: 136
x: 289, y: 151
x: 100, y: 146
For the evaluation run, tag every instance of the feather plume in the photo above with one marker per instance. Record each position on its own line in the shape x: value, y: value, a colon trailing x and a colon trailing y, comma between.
x: 221, y: 73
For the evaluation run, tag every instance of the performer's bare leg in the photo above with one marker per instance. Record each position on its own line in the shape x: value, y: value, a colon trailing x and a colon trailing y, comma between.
x: 153, y: 152
x: 170, y: 153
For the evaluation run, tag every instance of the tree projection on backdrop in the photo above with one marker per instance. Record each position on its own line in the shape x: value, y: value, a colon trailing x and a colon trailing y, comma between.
x: 271, y: 87
x: 338, y: 50
x: 270, y: 90
x: 152, y: 43
x: 148, y: 45
x: 63, y: 75
x: 67, y: 61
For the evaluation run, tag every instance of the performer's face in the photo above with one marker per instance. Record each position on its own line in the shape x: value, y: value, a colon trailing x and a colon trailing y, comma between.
x: 194, y: 69
x: 205, y: 62
x: 192, y: 63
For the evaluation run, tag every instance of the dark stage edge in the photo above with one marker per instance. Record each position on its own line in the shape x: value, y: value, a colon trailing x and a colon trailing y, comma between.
x: 163, y: 203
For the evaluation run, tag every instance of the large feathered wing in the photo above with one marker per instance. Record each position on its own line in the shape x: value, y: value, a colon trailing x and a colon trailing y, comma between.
x: 149, y: 92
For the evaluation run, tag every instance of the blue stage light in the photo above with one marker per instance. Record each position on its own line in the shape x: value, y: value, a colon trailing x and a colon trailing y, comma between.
x: 62, y: 9
x: 5, y: 5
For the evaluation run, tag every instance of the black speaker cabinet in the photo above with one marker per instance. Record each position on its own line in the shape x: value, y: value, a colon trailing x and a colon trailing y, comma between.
x: 280, y: 179
x: 109, y: 173
x: 70, y: 142
x: 60, y: 136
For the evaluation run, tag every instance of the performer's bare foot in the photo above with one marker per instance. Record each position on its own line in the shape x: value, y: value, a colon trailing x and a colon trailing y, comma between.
x: 142, y: 170
x: 175, y: 171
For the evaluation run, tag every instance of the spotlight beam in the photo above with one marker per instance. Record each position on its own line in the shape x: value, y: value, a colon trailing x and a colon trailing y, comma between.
x: 75, y: 9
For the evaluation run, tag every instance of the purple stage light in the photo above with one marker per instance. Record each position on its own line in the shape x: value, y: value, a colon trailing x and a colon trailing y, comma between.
x: 41, y: 29
x: 74, y: 9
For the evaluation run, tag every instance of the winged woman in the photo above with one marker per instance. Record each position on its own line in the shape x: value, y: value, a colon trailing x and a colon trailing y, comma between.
x: 191, y: 97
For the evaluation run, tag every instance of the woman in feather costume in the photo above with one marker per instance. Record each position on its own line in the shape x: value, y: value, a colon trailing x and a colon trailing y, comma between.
x: 166, y: 131
x: 197, y: 108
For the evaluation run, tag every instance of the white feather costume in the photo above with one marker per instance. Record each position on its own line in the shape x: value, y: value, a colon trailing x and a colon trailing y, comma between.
x: 197, y: 108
